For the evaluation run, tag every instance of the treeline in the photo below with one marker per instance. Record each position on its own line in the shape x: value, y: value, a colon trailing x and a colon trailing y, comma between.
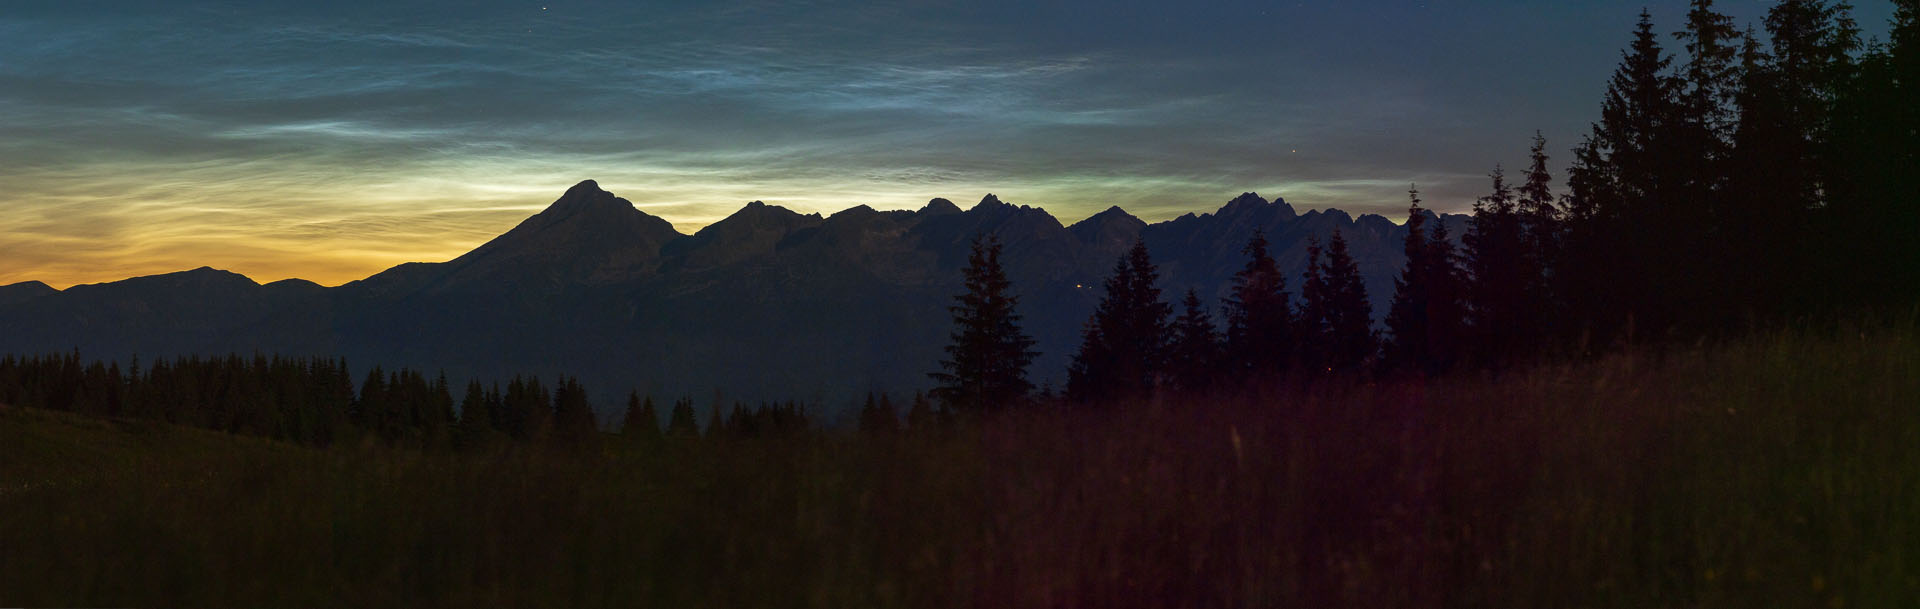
x: 315, y: 401
x: 1745, y: 181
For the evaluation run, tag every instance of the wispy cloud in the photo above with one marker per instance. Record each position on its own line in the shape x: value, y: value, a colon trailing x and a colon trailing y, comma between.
x: 330, y: 140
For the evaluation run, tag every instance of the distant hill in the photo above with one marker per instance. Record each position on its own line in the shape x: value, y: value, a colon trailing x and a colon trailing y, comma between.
x: 765, y: 304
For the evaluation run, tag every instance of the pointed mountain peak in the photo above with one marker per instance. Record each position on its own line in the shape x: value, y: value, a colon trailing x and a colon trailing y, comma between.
x: 940, y: 207
x: 586, y: 197
x: 990, y: 202
x: 1251, y: 203
x: 1113, y: 213
x: 585, y: 187
x: 854, y: 212
x: 1108, y: 229
x: 1246, y: 200
x: 1113, y: 216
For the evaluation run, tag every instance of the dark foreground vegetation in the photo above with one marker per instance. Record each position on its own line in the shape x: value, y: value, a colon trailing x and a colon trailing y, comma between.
x: 1775, y: 470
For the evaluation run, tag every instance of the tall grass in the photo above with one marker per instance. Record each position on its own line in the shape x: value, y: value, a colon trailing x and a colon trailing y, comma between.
x: 1774, y: 471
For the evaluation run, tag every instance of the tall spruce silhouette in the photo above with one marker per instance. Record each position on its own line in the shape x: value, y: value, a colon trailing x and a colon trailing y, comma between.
x: 1193, y: 359
x: 1124, y: 345
x: 1611, y: 275
x: 1260, y: 326
x: 1409, y: 326
x: 986, y: 369
x: 1539, y: 227
x: 1875, y: 167
x: 1783, y: 146
x: 1500, y: 306
x: 1336, y: 323
x: 1705, y: 115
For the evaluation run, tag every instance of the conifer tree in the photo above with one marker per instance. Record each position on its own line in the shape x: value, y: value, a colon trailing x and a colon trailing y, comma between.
x: 476, y: 423
x: 1618, y: 185
x: 373, y: 397
x: 641, y: 423
x: 986, y: 369
x: 681, y: 423
x: 1348, y: 318
x: 437, y: 414
x: 1539, y: 227
x: 920, y: 415
x: 877, y: 416
x: 1195, y: 355
x: 1313, y: 348
x: 1784, y: 147
x: 1259, y: 315
x: 572, y: 413
x: 1498, y: 302
x: 1124, y: 346
x: 1335, y: 321
x: 1874, y: 168
x: 1407, y: 318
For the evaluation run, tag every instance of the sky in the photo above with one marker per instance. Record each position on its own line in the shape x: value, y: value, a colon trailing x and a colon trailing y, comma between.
x: 331, y: 140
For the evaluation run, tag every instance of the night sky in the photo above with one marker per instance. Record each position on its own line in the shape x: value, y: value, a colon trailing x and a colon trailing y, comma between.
x: 290, y: 139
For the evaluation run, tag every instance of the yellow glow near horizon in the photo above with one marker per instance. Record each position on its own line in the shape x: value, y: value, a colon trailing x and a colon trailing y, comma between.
x: 107, y: 222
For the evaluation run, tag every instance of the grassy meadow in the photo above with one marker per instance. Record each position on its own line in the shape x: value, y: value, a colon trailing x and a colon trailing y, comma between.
x: 1780, y: 470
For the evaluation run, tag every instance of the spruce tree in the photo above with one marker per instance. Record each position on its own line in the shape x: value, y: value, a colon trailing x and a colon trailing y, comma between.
x: 920, y: 415
x: 1123, y: 351
x: 877, y: 416
x: 372, y: 401
x: 1407, y: 321
x: 1874, y: 166
x: 1446, y: 300
x: 1259, y: 315
x: 1619, y: 193
x: 986, y: 369
x: 572, y: 413
x: 1313, y: 348
x: 1539, y: 227
x: 1498, y: 302
x: 1347, y: 320
x: 681, y: 423
x: 1335, y: 321
x: 1784, y: 151
x: 1194, y: 359
x: 641, y: 423
x: 476, y: 423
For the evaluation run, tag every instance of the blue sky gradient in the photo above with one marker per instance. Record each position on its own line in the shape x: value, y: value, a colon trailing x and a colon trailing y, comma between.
x: 287, y: 139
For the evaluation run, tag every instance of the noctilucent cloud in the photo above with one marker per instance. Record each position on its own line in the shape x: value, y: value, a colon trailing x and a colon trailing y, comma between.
x: 331, y: 140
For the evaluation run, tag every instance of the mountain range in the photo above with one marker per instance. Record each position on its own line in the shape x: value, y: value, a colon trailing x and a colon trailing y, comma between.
x: 767, y: 304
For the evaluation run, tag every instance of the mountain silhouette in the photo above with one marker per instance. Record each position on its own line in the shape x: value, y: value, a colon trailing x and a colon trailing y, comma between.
x: 765, y: 304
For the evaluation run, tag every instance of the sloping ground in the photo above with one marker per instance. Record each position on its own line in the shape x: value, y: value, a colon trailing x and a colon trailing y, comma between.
x: 1777, y: 471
